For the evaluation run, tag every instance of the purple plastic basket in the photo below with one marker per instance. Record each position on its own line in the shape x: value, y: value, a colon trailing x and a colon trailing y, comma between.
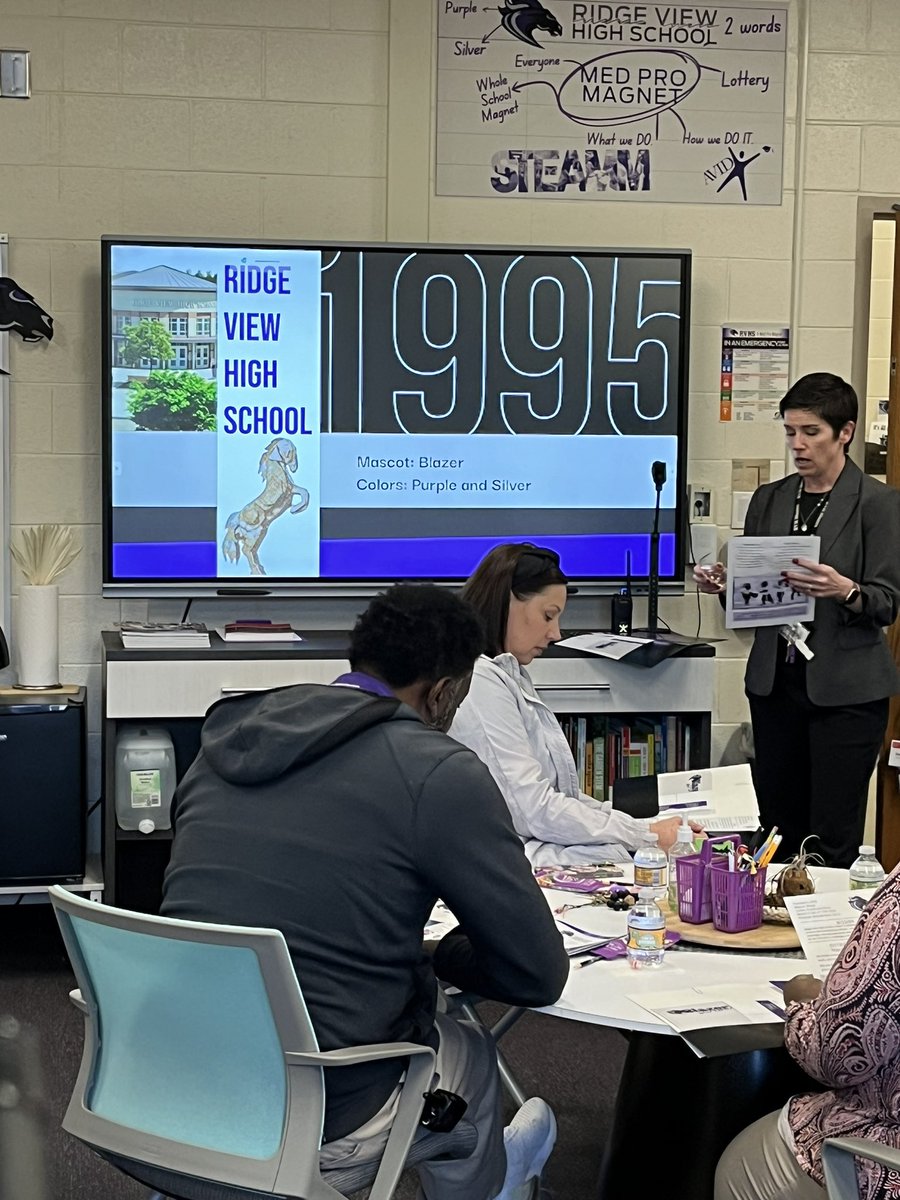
x: 737, y: 898
x: 692, y: 877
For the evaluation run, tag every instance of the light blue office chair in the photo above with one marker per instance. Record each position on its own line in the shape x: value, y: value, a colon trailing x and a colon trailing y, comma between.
x: 839, y: 1164
x: 201, y: 1076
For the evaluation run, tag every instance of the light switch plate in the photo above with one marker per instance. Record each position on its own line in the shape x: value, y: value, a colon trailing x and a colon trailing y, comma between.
x: 15, y: 74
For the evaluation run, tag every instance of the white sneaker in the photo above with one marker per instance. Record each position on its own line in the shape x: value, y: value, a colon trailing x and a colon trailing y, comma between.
x: 528, y: 1140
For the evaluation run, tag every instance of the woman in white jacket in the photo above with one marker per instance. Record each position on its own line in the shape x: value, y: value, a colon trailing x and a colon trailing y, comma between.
x: 520, y: 592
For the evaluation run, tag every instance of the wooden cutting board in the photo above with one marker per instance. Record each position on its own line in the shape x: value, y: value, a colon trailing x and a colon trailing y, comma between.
x: 767, y: 937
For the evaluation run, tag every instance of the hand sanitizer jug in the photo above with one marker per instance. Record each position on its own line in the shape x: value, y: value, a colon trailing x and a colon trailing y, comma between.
x: 145, y: 779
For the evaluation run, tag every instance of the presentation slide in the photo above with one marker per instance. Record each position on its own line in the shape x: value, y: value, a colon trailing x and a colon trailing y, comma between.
x: 329, y: 413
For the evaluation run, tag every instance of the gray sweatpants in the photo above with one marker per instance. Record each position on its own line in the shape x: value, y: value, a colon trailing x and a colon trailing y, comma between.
x: 467, y: 1065
x: 758, y: 1165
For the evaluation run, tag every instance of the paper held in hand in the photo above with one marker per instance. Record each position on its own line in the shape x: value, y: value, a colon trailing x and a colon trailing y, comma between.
x: 823, y: 922
x: 757, y: 593
x: 722, y: 799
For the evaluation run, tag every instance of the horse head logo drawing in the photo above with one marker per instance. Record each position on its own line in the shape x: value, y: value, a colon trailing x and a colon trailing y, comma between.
x: 522, y: 17
x: 245, y: 530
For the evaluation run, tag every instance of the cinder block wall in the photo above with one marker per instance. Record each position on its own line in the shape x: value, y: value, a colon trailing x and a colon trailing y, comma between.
x: 312, y: 118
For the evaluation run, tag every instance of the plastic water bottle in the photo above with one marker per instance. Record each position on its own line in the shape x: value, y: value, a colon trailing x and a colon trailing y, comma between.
x: 867, y: 871
x: 646, y: 932
x: 651, y: 868
x: 684, y: 844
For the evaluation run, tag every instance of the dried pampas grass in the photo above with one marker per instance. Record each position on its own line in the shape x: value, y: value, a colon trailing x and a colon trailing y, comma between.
x: 43, y: 552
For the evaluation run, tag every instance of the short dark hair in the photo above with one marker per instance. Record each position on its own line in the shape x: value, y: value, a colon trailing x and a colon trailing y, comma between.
x: 828, y: 396
x: 414, y: 632
x: 517, y: 569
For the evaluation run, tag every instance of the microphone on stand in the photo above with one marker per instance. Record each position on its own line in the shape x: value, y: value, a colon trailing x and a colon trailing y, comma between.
x: 658, y: 471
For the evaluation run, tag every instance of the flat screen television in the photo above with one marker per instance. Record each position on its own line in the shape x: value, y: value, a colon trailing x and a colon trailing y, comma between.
x: 303, y: 418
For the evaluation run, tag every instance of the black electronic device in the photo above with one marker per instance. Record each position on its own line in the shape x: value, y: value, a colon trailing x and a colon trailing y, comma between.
x: 42, y: 817
x: 442, y: 1111
x: 658, y: 471
x: 622, y: 607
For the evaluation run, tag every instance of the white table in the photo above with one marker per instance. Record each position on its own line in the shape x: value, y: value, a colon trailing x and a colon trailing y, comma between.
x: 703, y: 1102
x: 600, y: 993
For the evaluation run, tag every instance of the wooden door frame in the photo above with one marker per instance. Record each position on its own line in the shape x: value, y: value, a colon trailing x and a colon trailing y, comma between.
x: 887, y: 819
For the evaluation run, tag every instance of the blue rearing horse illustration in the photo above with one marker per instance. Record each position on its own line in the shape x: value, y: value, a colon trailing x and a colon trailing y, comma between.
x: 246, y: 529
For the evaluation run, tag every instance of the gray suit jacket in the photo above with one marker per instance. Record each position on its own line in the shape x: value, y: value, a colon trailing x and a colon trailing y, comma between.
x: 860, y: 532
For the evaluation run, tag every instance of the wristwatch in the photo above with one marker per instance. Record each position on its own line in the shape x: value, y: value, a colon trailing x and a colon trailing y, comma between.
x: 852, y: 595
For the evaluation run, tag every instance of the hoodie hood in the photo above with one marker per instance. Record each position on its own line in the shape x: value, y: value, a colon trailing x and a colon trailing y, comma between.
x: 258, y: 737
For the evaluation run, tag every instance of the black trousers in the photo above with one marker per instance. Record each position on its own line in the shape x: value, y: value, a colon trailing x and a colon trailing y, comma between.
x: 813, y: 766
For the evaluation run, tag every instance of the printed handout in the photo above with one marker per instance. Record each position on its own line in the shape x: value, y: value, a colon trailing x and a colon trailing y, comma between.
x: 720, y: 1004
x: 757, y: 593
x: 606, y: 645
x: 723, y: 799
x: 823, y: 922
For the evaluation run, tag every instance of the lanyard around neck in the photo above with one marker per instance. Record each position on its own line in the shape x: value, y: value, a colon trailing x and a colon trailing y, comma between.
x: 811, y: 524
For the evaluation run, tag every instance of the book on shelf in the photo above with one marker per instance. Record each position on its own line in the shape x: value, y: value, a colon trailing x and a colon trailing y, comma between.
x: 258, y: 631
x: 167, y: 635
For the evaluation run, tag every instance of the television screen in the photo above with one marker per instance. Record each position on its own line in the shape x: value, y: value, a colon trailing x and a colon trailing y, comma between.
x: 304, y: 418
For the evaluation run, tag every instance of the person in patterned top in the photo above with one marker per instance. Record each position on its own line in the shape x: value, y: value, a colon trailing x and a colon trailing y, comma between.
x: 845, y: 1033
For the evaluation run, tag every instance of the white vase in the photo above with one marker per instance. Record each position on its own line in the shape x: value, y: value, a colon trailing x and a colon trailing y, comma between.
x: 36, y: 636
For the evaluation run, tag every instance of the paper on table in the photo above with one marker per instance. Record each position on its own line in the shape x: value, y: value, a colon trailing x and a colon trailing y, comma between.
x: 824, y: 921
x: 588, y: 926
x: 722, y: 798
x: 606, y: 645
x: 708, y: 1007
x: 756, y: 594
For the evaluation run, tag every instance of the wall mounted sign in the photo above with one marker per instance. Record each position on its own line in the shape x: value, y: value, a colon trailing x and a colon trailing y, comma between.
x: 628, y: 102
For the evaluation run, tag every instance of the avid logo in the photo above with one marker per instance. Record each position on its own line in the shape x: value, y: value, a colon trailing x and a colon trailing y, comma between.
x: 733, y: 167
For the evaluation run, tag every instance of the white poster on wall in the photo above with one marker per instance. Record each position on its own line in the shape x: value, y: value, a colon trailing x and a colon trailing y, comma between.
x: 630, y: 102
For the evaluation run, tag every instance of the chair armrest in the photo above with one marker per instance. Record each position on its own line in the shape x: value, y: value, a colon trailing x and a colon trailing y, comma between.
x: 77, y: 999
x: 839, y: 1165
x: 405, y: 1126
x: 351, y: 1055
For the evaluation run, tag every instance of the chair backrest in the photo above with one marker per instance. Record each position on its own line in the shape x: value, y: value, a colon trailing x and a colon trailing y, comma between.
x: 187, y: 1025
x: 839, y: 1157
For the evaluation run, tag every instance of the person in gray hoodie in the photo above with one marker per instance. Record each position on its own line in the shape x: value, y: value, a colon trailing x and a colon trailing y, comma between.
x: 339, y: 814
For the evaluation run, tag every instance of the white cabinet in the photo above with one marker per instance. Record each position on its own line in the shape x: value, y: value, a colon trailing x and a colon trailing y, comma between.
x: 174, y: 688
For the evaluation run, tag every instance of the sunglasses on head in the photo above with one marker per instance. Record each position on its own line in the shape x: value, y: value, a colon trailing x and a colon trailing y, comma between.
x: 535, y: 562
x: 540, y: 558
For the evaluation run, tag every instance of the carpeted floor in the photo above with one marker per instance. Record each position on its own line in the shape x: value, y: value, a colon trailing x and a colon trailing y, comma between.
x: 575, y: 1067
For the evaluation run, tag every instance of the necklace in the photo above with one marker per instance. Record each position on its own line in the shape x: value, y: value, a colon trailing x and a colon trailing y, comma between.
x: 808, y: 521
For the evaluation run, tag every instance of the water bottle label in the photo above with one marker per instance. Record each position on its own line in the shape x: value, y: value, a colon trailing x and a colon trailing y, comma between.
x: 646, y: 939
x: 655, y: 877
x: 146, y: 789
x: 857, y: 884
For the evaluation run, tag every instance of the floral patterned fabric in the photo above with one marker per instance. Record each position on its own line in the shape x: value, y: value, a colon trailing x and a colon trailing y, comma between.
x: 849, y: 1039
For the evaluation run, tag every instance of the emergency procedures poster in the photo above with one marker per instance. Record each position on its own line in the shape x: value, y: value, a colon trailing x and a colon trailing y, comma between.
x: 630, y: 102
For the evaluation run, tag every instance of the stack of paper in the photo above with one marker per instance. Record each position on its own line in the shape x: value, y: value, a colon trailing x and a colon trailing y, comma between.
x: 165, y: 635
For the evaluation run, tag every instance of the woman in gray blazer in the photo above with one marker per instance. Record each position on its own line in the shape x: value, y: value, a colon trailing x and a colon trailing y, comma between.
x: 818, y: 725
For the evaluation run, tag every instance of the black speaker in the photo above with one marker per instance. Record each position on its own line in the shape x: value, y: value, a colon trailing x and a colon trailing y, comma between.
x: 42, y: 789
x: 621, y: 614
